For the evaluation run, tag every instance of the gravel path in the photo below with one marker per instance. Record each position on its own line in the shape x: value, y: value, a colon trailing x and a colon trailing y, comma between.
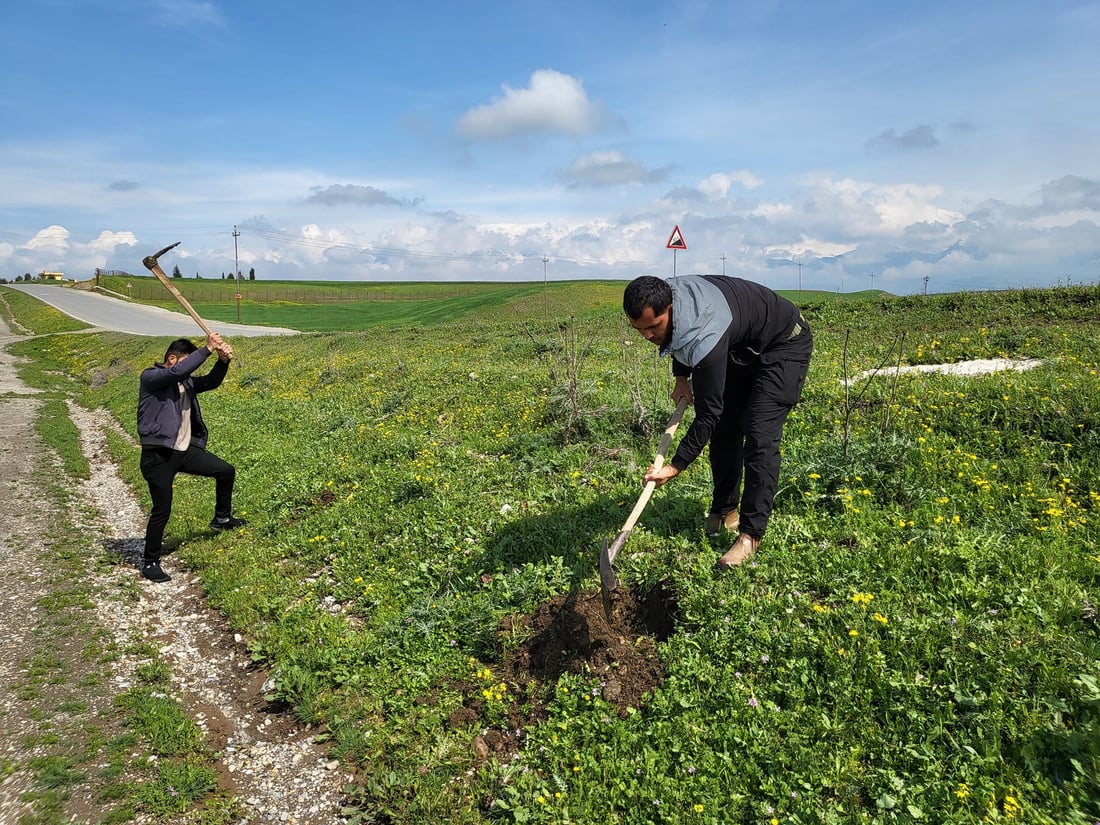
x: 268, y: 761
x: 21, y: 543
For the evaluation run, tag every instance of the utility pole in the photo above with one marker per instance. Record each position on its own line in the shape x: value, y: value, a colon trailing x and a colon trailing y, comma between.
x: 800, y: 283
x: 925, y: 292
x: 872, y: 280
x: 237, y: 272
x: 545, y: 298
x: 723, y: 264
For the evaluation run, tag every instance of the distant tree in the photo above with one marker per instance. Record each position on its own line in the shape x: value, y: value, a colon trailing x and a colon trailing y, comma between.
x: 252, y: 274
x: 176, y: 271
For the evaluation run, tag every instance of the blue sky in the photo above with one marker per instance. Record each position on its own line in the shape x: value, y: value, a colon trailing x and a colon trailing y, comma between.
x: 941, y: 145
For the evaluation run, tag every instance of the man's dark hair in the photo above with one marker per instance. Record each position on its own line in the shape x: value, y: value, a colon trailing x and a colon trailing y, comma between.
x: 646, y: 291
x: 181, y: 347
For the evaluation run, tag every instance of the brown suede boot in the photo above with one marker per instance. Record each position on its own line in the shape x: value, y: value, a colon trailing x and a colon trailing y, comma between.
x: 742, y: 550
x: 716, y: 522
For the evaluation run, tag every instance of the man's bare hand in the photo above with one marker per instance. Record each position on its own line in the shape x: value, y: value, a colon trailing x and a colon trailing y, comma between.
x: 666, y: 473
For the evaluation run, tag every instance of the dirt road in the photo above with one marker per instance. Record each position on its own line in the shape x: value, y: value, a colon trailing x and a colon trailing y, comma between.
x: 267, y: 760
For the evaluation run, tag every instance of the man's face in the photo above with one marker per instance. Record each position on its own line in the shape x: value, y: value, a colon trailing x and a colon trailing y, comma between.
x: 655, y: 327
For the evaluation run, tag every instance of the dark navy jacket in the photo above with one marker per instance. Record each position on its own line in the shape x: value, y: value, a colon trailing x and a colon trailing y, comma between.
x: 160, y: 407
x: 723, y: 327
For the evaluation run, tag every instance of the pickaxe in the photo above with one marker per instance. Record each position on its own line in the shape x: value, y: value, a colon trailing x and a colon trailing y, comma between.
x: 151, y: 264
x: 608, y: 580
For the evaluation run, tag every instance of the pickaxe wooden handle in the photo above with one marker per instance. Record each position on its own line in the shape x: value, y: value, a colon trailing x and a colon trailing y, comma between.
x: 151, y: 264
x: 608, y: 580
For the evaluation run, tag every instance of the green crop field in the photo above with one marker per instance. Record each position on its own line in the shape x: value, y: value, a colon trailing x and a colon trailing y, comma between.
x: 918, y: 639
x: 332, y: 306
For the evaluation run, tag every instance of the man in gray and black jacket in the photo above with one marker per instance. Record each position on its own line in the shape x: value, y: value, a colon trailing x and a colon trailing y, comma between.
x: 173, y: 439
x: 740, y: 355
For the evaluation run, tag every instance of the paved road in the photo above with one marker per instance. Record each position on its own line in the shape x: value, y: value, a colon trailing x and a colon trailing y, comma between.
x: 118, y: 315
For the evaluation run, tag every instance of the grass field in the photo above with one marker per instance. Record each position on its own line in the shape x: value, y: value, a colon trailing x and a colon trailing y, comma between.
x: 917, y: 641
x: 343, y: 306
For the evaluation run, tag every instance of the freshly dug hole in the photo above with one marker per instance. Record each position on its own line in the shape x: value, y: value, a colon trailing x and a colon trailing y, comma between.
x: 573, y: 634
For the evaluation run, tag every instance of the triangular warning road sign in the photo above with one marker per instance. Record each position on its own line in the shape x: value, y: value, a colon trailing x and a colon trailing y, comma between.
x: 676, y: 240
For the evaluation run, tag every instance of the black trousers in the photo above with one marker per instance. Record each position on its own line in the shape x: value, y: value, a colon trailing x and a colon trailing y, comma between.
x: 160, y: 466
x: 758, y: 398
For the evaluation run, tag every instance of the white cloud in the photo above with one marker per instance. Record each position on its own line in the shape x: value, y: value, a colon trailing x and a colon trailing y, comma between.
x: 554, y: 103
x: 718, y: 185
x: 52, y: 238
x: 850, y: 208
x: 610, y: 169
x: 810, y: 248
x: 54, y: 249
x: 108, y: 242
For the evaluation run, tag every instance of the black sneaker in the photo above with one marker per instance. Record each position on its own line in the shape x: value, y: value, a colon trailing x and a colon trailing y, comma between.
x: 230, y: 523
x: 153, y: 572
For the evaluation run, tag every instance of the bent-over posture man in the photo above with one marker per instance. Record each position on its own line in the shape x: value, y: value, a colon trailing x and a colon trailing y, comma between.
x: 173, y: 439
x: 740, y: 354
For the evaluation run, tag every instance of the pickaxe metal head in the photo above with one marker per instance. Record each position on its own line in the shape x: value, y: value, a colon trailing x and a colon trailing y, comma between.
x: 150, y: 260
x: 609, y: 582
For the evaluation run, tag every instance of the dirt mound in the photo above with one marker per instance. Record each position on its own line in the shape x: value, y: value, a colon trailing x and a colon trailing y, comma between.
x: 572, y: 633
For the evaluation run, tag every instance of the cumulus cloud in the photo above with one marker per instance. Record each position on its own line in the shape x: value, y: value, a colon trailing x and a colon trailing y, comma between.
x: 846, y: 208
x: 53, y: 237
x: 553, y: 104
x: 108, y: 242
x: 610, y: 169
x: 340, y: 194
x: 718, y: 185
x: 807, y: 247
x: 918, y: 137
x: 54, y: 249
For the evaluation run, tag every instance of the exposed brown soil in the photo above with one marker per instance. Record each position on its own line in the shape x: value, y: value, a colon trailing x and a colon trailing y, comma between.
x: 574, y: 634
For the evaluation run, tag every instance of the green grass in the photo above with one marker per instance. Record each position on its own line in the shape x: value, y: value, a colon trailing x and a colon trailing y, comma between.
x: 59, y: 433
x: 916, y: 641
x: 31, y: 315
x: 331, y: 306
